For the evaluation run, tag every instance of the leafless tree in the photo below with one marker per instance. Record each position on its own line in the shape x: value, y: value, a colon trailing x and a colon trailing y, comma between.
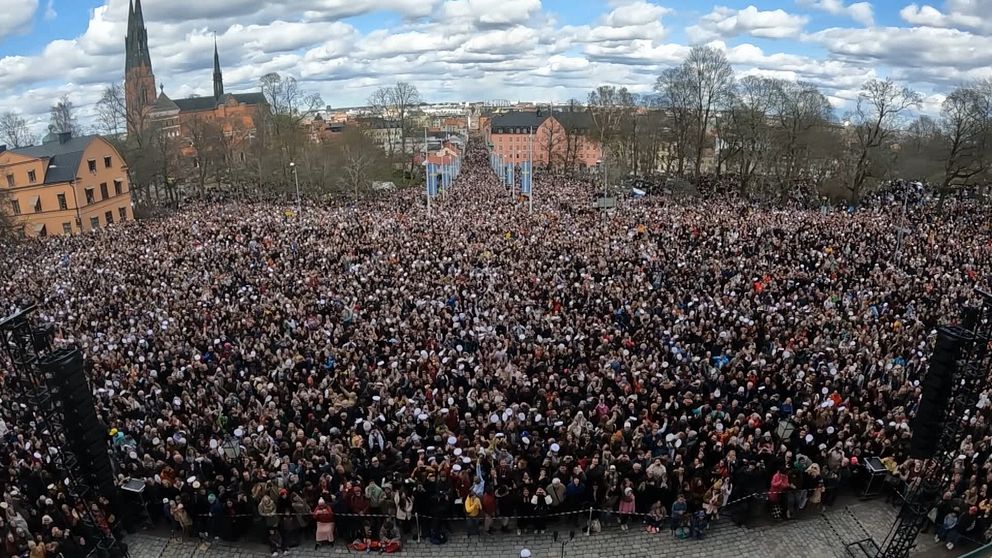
x: 874, y: 124
x: 403, y: 102
x: 203, y: 154
x: 111, y: 111
x: 14, y: 131
x: 356, y: 168
x: 966, y: 127
x: 553, y: 142
x: 801, y: 114
x: 710, y: 85
x: 675, y: 101
x: 744, y: 141
x: 62, y: 117
x: 379, y: 103
x: 613, y: 114
x: 288, y: 99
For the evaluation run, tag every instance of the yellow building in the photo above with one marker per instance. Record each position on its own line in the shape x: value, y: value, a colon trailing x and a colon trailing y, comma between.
x: 64, y: 186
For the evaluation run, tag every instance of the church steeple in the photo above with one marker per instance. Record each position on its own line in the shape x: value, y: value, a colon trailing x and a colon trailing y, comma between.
x: 218, y: 78
x: 136, y: 41
x: 139, y: 81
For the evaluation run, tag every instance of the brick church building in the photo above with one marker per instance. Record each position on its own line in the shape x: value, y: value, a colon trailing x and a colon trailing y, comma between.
x: 233, y: 113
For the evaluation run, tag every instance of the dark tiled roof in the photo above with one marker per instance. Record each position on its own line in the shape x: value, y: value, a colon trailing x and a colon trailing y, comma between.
x: 250, y: 98
x: 578, y: 120
x: 164, y: 104
x: 63, y: 158
x: 192, y: 104
x: 519, y: 119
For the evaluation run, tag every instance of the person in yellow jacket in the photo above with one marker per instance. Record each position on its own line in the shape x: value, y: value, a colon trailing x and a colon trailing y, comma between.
x: 473, y: 510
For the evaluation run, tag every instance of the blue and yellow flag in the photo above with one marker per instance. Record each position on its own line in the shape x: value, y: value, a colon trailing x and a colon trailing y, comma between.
x: 432, y: 179
x: 526, y: 178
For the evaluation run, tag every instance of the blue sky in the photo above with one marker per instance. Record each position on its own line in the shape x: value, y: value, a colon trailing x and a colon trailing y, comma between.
x: 550, y: 50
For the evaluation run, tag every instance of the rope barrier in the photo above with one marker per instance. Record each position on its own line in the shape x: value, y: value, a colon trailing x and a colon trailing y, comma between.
x: 591, y: 510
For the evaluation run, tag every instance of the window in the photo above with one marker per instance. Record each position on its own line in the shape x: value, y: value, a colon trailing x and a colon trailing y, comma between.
x: 10, y: 181
x: 89, y: 195
x: 15, y: 207
x: 122, y: 212
x: 118, y: 187
x: 106, y: 162
x: 37, y: 204
x: 103, y: 191
x: 94, y: 223
x: 109, y: 217
x: 62, y: 204
x: 32, y: 177
x: 92, y: 165
x: 67, y: 228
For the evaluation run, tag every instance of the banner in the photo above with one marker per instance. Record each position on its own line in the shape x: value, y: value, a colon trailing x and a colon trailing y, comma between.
x: 432, y: 179
x: 446, y: 177
x: 509, y: 175
x: 526, y: 178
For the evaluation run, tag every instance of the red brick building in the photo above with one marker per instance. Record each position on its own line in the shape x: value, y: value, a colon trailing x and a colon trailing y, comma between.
x: 234, y: 113
x: 562, y: 139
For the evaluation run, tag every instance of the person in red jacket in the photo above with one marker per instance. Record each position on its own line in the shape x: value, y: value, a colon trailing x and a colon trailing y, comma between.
x: 488, y: 508
x: 324, y: 516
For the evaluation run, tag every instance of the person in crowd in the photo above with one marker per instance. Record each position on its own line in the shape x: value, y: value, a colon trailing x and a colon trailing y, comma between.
x: 627, y: 507
x: 473, y: 511
x: 323, y: 515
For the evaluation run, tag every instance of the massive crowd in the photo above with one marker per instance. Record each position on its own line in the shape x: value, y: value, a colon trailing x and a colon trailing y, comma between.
x: 381, y: 371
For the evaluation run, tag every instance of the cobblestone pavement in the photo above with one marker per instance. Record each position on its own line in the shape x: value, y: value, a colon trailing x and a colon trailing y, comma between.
x: 813, y: 536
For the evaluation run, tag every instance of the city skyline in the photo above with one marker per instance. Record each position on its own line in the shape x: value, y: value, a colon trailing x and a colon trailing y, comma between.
x: 473, y: 50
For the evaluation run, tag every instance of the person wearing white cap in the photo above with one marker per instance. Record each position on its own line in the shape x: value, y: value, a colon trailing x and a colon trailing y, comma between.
x: 525, y: 553
x: 323, y: 515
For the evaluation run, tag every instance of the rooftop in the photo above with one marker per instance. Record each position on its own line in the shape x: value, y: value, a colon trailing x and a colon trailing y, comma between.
x: 63, y: 156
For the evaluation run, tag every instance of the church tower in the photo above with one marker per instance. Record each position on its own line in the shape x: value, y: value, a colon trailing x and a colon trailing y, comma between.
x: 218, y: 78
x: 139, y: 81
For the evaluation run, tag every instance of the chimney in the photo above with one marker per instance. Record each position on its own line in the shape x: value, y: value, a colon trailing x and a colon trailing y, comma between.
x: 64, y: 137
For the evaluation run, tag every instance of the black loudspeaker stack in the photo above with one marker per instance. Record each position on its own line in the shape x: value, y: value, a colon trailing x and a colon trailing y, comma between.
x: 86, y: 435
x: 937, y: 387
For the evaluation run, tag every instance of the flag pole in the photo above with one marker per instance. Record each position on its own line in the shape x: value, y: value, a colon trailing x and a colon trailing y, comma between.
x: 427, y: 170
x: 530, y: 171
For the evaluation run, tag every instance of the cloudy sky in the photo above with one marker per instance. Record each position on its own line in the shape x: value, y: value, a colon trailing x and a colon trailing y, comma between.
x: 548, y: 50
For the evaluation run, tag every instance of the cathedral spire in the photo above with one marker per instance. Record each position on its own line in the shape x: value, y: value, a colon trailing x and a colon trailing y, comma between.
x: 218, y: 77
x: 136, y: 41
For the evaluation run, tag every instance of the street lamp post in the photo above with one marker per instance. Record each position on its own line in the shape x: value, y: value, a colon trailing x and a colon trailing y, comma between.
x: 296, y: 179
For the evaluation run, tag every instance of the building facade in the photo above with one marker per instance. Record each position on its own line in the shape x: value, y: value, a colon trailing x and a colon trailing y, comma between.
x: 235, y: 114
x: 560, y: 139
x: 66, y: 185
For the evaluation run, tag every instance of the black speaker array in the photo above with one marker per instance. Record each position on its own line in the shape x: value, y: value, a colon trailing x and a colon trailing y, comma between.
x: 86, y: 434
x: 937, y: 387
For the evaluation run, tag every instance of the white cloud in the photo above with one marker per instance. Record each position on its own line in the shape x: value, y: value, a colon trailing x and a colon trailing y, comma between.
x: 50, y: 12
x: 861, y: 12
x: 947, y: 51
x: 636, y: 13
x: 491, y: 12
x: 967, y: 14
x: 15, y: 16
x: 727, y: 22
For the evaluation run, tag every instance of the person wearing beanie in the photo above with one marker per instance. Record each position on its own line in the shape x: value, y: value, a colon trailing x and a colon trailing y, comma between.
x: 323, y: 515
